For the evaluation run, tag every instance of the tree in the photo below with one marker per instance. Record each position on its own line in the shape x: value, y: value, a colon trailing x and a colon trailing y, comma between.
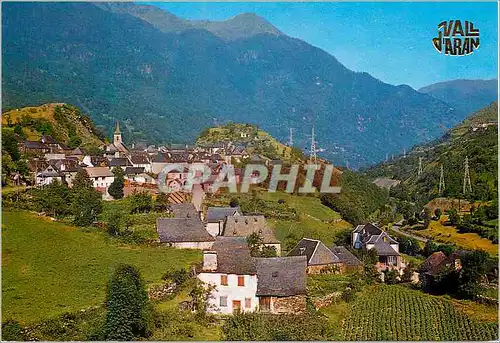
x: 438, y: 213
x: 129, y: 313
x: 474, y: 268
x: 82, y: 180
x: 117, y: 222
x: 141, y: 201
x: 254, y: 242
x: 268, y: 251
x: 86, y: 206
x: 53, y: 199
x: 429, y: 248
x: 390, y: 276
x: 116, y: 187
x: 234, y: 202
x: 453, y: 217
x: 18, y: 130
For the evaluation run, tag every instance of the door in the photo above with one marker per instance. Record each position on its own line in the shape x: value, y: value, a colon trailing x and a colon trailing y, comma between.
x: 265, y: 304
x: 236, y: 305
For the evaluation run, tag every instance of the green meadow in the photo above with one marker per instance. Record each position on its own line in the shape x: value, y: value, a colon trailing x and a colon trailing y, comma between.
x: 49, y: 268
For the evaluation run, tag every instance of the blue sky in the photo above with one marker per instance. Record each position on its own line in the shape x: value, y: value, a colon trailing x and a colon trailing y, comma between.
x: 392, y: 41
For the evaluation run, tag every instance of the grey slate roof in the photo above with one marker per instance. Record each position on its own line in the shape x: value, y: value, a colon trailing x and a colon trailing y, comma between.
x: 317, y: 253
x: 383, y: 182
x: 243, y: 226
x: 184, y: 210
x: 215, y: 214
x: 139, y: 159
x: 119, y: 162
x: 176, y: 230
x: 233, y: 256
x: 345, y: 256
x: 385, y: 249
x: 281, y: 276
x: 133, y: 170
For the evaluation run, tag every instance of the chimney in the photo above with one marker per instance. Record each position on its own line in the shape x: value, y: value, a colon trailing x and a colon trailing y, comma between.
x: 209, y: 260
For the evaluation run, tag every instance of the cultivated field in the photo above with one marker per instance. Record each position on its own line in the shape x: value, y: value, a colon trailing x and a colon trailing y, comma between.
x: 398, y: 313
x: 448, y: 234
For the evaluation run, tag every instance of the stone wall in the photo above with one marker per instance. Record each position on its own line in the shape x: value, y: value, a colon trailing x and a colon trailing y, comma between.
x: 293, y: 304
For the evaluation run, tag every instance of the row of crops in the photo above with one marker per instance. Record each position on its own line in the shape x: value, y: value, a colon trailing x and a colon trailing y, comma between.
x: 398, y: 313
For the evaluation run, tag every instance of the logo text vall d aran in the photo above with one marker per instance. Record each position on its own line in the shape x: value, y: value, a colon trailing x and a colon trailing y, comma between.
x: 456, y: 38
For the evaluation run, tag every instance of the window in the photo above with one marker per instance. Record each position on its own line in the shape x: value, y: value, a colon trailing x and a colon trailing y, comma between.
x: 241, y: 280
x: 223, y: 280
x: 223, y: 301
x: 391, y: 260
x: 248, y: 302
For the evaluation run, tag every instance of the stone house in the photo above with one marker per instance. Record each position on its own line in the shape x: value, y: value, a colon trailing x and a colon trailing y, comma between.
x: 244, y: 226
x: 216, y: 216
x: 184, y: 210
x: 281, y: 284
x: 348, y: 261
x: 320, y: 259
x: 183, y: 233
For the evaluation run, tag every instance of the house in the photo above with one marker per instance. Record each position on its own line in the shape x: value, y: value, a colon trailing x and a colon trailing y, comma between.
x: 438, y: 263
x: 281, y: 284
x: 229, y: 268
x: 243, y: 226
x: 386, y: 183
x: 47, y: 176
x: 216, y: 216
x: 320, y: 259
x: 158, y: 162
x: 369, y: 236
x: 347, y: 259
x: 121, y: 162
x: 34, y: 147
x: 184, y: 210
x: 141, y: 161
x: 102, y: 177
x: 183, y: 233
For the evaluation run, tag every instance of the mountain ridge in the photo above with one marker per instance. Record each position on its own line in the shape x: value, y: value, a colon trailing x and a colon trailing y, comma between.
x: 168, y: 86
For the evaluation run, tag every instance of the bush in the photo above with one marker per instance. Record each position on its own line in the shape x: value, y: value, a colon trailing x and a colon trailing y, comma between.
x: 178, y: 276
x: 12, y: 331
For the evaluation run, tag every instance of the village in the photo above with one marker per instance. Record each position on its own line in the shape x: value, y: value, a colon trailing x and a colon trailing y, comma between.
x: 242, y: 278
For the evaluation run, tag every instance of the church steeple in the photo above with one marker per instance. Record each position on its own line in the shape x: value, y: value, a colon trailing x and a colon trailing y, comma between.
x: 117, y: 136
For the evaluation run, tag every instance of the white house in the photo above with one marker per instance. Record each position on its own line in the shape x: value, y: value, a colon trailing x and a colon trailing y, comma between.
x: 230, y: 269
x: 216, y: 216
x: 102, y: 177
x: 47, y: 176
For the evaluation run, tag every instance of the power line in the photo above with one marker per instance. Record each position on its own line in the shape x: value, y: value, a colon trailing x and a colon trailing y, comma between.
x: 467, y: 184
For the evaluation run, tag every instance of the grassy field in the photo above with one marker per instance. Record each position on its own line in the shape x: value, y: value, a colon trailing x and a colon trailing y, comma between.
x: 49, y: 268
x: 448, y: 234
x: 315, y: 220
x: 398, y: 313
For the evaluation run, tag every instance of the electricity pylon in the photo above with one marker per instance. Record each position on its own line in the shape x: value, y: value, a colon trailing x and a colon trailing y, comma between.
x: 467, y: 184
x: 419, y: 165
x: 441, y: 181
x: 313, y: 146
